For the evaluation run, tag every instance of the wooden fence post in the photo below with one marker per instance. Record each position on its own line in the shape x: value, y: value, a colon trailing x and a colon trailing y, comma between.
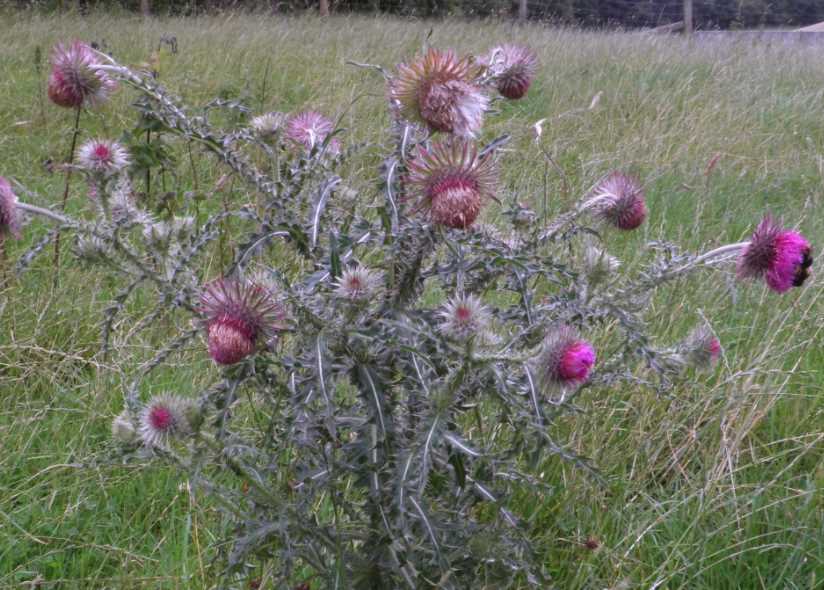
x: 688, y: 21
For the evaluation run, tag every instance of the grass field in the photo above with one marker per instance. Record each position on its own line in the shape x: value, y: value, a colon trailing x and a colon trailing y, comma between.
x: 719, y: 487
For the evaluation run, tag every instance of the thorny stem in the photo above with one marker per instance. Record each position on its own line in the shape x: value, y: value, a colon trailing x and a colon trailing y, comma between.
x: 69, y: 169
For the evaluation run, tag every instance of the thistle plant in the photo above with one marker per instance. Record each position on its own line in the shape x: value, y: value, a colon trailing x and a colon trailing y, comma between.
x: 391, y: 426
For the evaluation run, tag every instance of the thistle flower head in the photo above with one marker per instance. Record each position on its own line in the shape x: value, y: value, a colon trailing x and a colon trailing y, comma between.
x: 702, y: 348
x: 465, y: 317
x: 452, y: 182
x: 783, y: 257
x: 358, y: 284
x: 76, y: 80
x: 513, y: 67
x: 310, y: 129
x: 164, y: 418
x: 238, y: 315
x: 439, y: 91
x: 123, y: 430
x: 565, y: 359
x: 102, y: 157
x: 619, y: 200
x: 599, y: 265
x: 268, y: 125
x: 9, y: 215
x: 161, y: 234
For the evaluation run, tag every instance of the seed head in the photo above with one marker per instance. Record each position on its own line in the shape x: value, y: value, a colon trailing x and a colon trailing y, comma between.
x: 310, y: 129
x: 358, y: 284
x: 269, y: 125
x: 452, y: 182
x: 439, y: 91
x: 76, y: 80
x: 101, y: 157
x: 599, y: 265
x: 465, y: 317
x: 565, y: 359
x: 238, y: 315
x: 783, y: 257
x: 513, y: 67
x: 9, y: 214
x: 164, y: 418
x: 619, y: 200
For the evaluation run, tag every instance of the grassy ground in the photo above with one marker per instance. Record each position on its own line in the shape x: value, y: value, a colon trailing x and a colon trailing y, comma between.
x: 720, y: 487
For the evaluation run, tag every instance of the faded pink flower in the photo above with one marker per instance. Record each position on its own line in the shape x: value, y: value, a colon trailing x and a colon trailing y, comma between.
x: 619, y: 200
x: 239, y: 314
x: 9, y: 215
x: 702, y: 348
x: 783, y: 257
x: 164, y: 418
x: 565, y: 359
x: 452, y: 182
x: 75, y: 80
x: 102, y: 157
x: 310, y: 129
x: 439, y: 91
x: 465, y: 317
x: 358, y: 284
x: 513, y: 67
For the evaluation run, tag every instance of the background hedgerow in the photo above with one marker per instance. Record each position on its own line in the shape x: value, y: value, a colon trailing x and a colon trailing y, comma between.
x: 715, y: 484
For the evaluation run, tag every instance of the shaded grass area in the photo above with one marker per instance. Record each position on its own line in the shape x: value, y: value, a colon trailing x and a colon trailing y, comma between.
x: 719, y: 486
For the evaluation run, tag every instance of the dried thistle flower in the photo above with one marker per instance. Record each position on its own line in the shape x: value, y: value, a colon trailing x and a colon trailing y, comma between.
x: 513, y: 67
x: 164, y: 418
x: 102, y: 157
x: 452, y: 182
x: 783, y: 257
x: 268, y: 125
x: 75, y: 80
x: 599, y: 265
x: 701, y: 348
x: 9, y: 214
x: 439, y: 91
x: 565, y: 360
x: 358, y: 284
x: 310, y: 129
x: 465, y: 317
x: 239, y: 314
x: 123, y: 430
x: 619, y: 200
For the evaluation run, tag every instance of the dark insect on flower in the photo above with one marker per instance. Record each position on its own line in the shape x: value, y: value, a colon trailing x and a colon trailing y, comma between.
x: 439, y: 91
x: 239, y: 315
x: 75, y: 79
x: 619, y: 200
x: 513, y: 67
x: 783, y: 257
x: 9, y: 214
x: 452, y: 182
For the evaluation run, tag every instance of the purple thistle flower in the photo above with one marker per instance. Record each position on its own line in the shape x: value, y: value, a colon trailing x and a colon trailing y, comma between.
x: 102, y: 157
x: 9, y: 215
x: 513, y: 67
x: 164, y: 418
x: 75, y: 79
x: 465, y: 317
x: 358, y: 284
x: 439, y: 91
x: 310, y: 129
x: 619, y: 200
x: 783, y: 257
x: 238, y: 316
x: 452, y: 182
x: 565, y: 359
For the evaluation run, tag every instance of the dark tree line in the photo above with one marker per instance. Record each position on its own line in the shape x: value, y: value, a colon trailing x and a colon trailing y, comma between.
x: 709, y: 14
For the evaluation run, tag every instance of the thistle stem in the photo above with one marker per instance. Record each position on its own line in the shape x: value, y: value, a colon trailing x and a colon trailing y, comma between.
x: 35, y: 210
x: 69, y: 161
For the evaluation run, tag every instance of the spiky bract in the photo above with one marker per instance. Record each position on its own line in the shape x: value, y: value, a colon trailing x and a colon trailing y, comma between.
x: 452, y: 182
x: 238, y: 314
